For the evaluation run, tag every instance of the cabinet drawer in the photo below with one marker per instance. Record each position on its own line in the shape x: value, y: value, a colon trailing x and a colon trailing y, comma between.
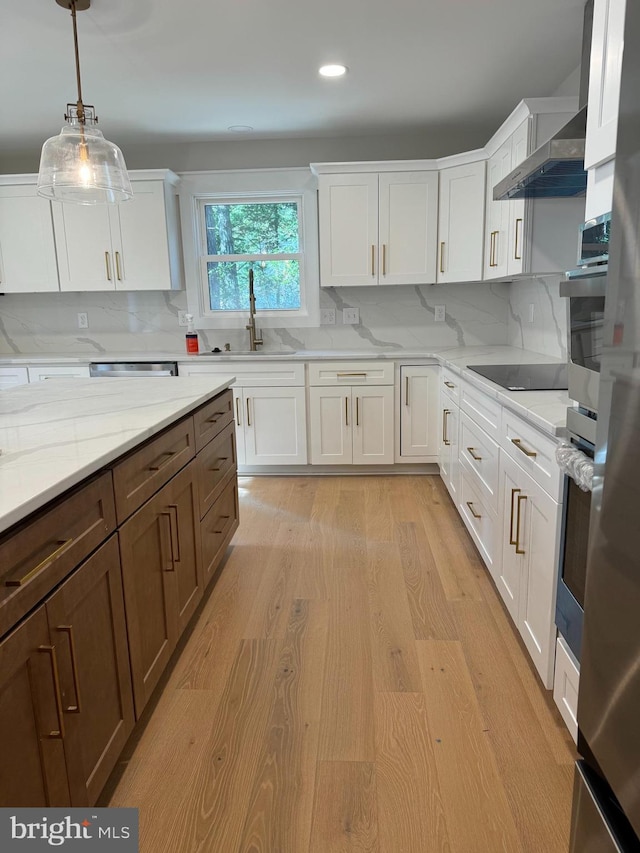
x: 533, y: 451
x: 450, y: 384
x: 481, y: 522
x: 565, y: 686
x: 351, y: 373
x: 209, y: 420
x: 138, y: 476
x: 37, y: 555
x: 214, y: 464
x: 250, y: 373
x: 484, y: 411
x: 71, y: 371
x: 481, y: 456
x: 218, y: 526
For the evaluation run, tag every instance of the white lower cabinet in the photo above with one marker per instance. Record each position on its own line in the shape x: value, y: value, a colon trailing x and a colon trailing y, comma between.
x: 351, y: 425
x: 12, y: 376
x: 272, y: 429
x: 566, y: 682
x: 480, y: 519
x: 418, y: 399
x: 54, y: 371
x: 528, y: 573
x: 449, y: 412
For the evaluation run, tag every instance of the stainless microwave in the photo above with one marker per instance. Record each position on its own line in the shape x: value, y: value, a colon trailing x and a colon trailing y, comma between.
x: 593, y: 247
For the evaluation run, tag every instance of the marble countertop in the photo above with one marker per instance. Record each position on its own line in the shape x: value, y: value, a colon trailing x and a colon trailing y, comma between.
x: 55, y: 434
x: 544, y: 409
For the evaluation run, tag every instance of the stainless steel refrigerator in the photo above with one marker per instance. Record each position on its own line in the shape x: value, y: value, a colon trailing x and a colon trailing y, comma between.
x: 606, y: 807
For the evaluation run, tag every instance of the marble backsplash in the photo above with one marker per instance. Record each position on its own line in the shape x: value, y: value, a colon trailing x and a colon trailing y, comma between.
x: 391, y: 318
x: 547, y: 333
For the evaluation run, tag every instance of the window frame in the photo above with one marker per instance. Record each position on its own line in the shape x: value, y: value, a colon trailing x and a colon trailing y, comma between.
x: 244, y: 185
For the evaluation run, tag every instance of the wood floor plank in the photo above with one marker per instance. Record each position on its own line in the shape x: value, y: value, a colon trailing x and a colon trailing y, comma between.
x: 411, y: 815
x: 476, y: 805
x: 281, y: 801
x: 430, y: 615
x: 395, y: 663
x: 458, y: 568
x: 377, y: 504
x: 345, y: 814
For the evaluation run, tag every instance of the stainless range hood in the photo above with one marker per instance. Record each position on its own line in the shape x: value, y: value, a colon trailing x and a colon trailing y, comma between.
x: 556, y: 168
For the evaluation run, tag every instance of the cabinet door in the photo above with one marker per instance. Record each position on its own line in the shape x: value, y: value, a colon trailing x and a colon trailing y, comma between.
x: 510, y: 574
x: 87, y: 624
x: 184, y: 517
x: 372, y: 409
x: 32, y: 767
x: 140, y: 243
x: 348, y: 226
x: 238, y: 404
x: 83, y: 245
x: 497, y: 216
x: 449, y: 461
x: 607, y: 46
x: 275, y: 426
x: 408, y: 211
x: 27, y: 250
x: 331, y: 415
x: 12, y: 376
x: 150, y: 593
x: 461, y: 223
x: 419, y: 411
x: 519, y: 153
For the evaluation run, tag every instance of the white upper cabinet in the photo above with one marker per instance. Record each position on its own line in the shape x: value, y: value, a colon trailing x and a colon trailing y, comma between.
x: 519, y: 153
x: 497, y: 216
x: 132, y: 246
x: 27, y: 250
x: 607, y: 43
x: 460, y: 222
x: 377, y: 228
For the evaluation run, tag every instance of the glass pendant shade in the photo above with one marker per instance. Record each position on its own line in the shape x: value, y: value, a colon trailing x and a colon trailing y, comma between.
x: 81, y: 166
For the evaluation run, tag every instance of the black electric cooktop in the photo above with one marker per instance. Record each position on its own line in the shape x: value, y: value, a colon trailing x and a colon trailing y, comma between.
x: 525, y: 377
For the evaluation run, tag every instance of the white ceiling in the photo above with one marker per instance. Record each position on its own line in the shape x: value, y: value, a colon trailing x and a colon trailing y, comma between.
x: 184, y: 70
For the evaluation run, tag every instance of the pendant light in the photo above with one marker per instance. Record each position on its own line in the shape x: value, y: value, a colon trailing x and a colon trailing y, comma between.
x: 80, y: 165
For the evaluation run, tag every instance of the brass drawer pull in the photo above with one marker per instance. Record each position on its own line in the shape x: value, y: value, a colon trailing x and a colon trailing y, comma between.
x: 118, y: 270
x: 384, y: 259
x: 406, y: 392
x: 373, y: 260
x: 442, y: 257
x: 519, y: 550
x: 248, y: 412
x: 60, y: 544
x: 445, y: 440
x: 214, y: 417
x: 357, y: 411
x: 107, y: 262
x: 51, y: 652
x: 518, y: 443
x: 341, y: 375
x: 472, y: 510
x: 170, y: 567
x: 157, y: 465
x: 174, y: 527
x: 514, y: 492
x: 516, y: 254
x: 346, y: 411
x: 238, y: 411
x: 449, y: 384
x: 68, y: 630
x: 473, y: 455
x: 223, y: 518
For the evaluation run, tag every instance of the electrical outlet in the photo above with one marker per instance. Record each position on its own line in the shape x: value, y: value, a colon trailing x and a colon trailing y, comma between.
x: 440, y: 313
x: 350, y: 316
x: 83, y: 321
x: 327, y: 316
x: 532, y: 312
x: 182, y: 318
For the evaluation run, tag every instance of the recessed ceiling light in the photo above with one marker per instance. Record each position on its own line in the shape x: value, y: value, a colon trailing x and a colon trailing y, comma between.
x: 240, y: 128
x: 332, y: 70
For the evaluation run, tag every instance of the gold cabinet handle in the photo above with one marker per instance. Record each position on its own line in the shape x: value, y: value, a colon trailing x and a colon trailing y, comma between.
x: 495, y: 248
x: 373, y: 260
x: 472, y: 510
x: 342, y: 375
x: 406, y: 391
x: 12, y: 580
x: 491, y: 248
x: 118, y: 270
x: 449, y: 384
x: 384, y: 259
x: 248, y: 412
x: 445, y: 412
x: 518, y: 443
x: 68, y: 630
x: 519, y: 550
x: 174, y: 527
x: 238, y: 411
x: 514, y: 492
x: 346, y: 411
x: 357, y: 411
x: 516, y: 254
x: 170, y: 567
x: 51, y: 653
x: 107, y: 261
x: 157, y: 464
x: 442, y: 256
x: 473, y: 455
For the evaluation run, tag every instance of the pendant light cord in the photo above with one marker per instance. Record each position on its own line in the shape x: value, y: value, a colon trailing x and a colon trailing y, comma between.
x: 80, y: 105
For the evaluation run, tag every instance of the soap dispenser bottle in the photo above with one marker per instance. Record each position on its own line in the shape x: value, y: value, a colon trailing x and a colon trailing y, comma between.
x: 191, y: 337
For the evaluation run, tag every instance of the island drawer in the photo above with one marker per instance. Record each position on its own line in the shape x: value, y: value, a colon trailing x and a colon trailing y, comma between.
x: 213, y: 466
x: 213, y: 417
x: 38, y: 554
x: 218, y: 527
x: 139, y: 475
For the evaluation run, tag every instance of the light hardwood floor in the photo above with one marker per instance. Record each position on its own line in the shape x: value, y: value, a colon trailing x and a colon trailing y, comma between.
x: 352, y: 683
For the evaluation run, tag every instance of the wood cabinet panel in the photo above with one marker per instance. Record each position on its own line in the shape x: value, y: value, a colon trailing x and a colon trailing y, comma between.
x: 140, y: 474
x: 218, y: 526
x: 87, y: 624
x: 43, y: 550
x: 184, y: 517
x: 210, y: 419
x: 214, y: 463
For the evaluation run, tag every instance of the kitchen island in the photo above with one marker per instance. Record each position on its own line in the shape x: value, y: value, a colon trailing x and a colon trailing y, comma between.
x: 118, y: 500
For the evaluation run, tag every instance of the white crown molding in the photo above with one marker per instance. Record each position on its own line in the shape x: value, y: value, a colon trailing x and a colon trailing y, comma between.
x: 464, y: 158
x: 134, y: 174
x: 374, y: 166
